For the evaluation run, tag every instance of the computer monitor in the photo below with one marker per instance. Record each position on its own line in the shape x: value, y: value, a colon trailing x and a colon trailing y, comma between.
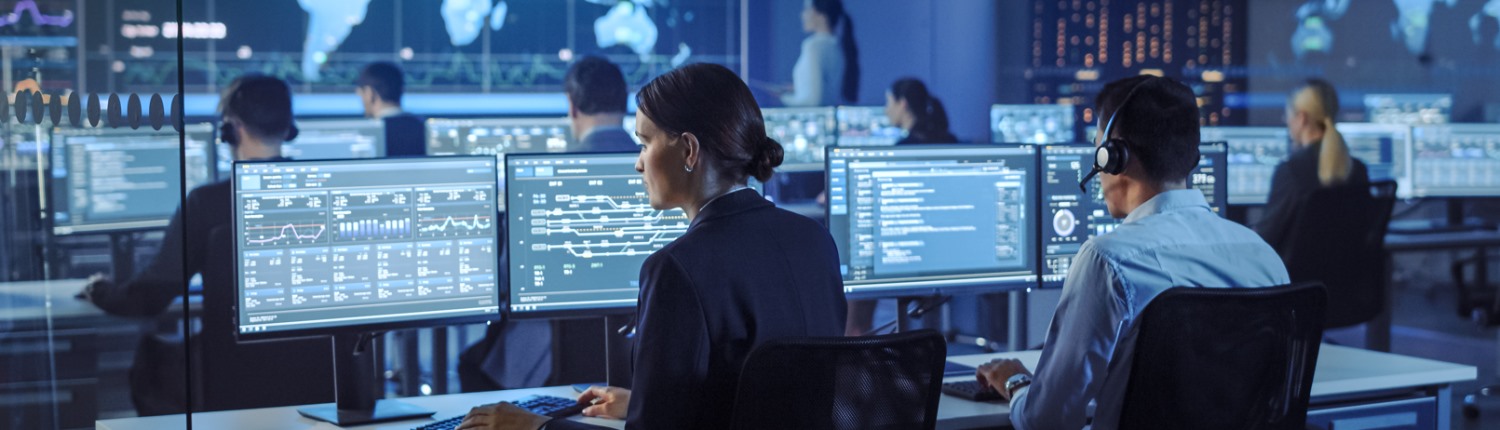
x: 348, y: 249
x: 1384, y: 148
x: 1254, y: 153
x: 324, y: 139
x: 866, y: 126
x: 1069, y: 218
x: 1456, y: 160
x: 344, y: 245
x: 580, y: 226
x: 118, y: 179
x: 1032, y: 124
x: 1409, y: 109
x: 933, y: 219
x: 803, y: 133
x: 498, y: 136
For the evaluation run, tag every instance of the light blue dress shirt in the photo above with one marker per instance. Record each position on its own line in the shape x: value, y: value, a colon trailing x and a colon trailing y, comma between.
x: 1169, y: 241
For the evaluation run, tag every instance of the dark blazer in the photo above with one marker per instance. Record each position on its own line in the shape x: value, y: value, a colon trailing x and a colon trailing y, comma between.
x: 233, y: 375
x: 745, y: 273
x: 405, y: 136
x: 1295, y: 179
x: 611, y: 139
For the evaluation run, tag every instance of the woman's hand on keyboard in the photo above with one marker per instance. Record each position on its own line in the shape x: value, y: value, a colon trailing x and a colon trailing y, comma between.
x: 609, y: 402
x: 502, y: 416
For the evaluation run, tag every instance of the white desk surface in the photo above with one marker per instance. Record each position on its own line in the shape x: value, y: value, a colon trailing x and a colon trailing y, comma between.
x: 1341, y: 370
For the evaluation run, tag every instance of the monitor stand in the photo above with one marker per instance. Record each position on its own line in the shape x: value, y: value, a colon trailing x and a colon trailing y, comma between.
x: 619, y: 330
x: 357, y: 388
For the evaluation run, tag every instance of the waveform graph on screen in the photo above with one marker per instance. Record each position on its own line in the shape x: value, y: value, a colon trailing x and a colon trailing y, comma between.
x: 280, y: 220
x: 455, y: 212
x: 371, y: 215
x: 601, y: 226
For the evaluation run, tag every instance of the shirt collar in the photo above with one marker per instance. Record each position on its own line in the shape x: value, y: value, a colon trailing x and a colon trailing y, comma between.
x: 730, y: 203
x: 388, y: 112
x: 1168, y: 201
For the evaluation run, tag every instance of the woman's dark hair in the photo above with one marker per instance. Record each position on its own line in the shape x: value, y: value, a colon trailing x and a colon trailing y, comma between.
x: 931, y: 120
x: 712, y: 102
x: 838, y: 18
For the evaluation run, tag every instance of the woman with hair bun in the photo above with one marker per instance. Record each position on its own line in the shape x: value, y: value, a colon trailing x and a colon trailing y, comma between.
x: 744, y: 273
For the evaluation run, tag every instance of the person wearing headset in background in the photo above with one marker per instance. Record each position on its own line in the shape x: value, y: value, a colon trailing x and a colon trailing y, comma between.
x: 256, y: 120
x: 744, y: 273
x: 917, y: 112
x: 379, y: 88
x: 827, y: 71
x: 596, y: 106
x: 1169, y: 238
x: 1319, y: 159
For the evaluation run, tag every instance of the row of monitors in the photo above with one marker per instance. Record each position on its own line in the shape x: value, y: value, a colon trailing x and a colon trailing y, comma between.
x: 116, y: 179
x: 327, y: 246
x: 107, y: 180
x: 1452, y: 160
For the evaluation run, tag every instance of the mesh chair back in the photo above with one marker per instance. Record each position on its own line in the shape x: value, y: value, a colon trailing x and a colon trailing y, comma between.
x: 870, y: 382
x: 1225, y: 358
x: 1338, y: 238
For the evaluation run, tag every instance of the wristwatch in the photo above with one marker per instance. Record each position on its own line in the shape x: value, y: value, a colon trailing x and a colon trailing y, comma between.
x: 1015, y: 383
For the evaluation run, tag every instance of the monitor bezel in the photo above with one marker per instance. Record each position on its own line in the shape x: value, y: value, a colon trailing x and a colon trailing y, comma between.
x: 960, y: 285
x: 234, y: 316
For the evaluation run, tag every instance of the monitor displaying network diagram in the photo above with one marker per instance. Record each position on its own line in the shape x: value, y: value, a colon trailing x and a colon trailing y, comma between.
x: 867, y: 126
x: 499, y: 136
x: 1069, y: 217
x: 1254, y: 153
x: 1032, y: 124
x: 344, y: 245
x: 579, y: 228
x: 918, y: 220
x: 323, y: 139
x: 803, y: 133
x: 1384, y: 148
x: 1456, y: 160
x: 118, y: 179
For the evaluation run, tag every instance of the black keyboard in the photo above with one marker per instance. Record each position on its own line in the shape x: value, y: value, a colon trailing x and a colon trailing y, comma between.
x: 971, y: 390
x: 552, y: 406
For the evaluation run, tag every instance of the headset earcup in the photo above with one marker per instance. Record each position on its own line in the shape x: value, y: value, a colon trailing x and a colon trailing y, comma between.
x: 1111, y: 157
x: 291, y: 133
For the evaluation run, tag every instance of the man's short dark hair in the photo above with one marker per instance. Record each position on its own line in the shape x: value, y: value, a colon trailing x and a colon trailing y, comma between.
x: 262, y: 104
x: 1160, y: 123
x: 385, y: 79
x: 595, y: 85
x: 1325, y: 93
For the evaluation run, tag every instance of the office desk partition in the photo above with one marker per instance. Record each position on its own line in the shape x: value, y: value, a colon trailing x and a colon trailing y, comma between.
x: 1349, y: 384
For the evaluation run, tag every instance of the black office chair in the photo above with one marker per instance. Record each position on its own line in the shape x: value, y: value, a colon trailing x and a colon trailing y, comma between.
x: 1338, y: 238
x: 1225, y: 358
x: 868, y: 382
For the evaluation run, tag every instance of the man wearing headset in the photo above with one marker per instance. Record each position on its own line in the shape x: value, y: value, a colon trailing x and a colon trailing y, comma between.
x: 1169, y: 238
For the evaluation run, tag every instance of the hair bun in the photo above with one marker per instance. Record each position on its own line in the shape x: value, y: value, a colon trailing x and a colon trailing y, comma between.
x: 768, y: 154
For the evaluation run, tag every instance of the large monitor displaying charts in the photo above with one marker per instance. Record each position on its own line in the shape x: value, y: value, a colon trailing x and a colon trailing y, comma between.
x: 1457, y: 160
x: 1032, y: 124
x: 867, y: 126
x: 803, y: 133
x: 927, y: 219
x: 1254, y: 153
x: 1069, y: 217
x: 323, y: 139
x: 497, y: 137
x: 1384, y: 148
x: 346, y: 246
x: 118, y: 179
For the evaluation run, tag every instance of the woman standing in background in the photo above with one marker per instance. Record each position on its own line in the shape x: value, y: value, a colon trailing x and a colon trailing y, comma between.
x: 827, y: 71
